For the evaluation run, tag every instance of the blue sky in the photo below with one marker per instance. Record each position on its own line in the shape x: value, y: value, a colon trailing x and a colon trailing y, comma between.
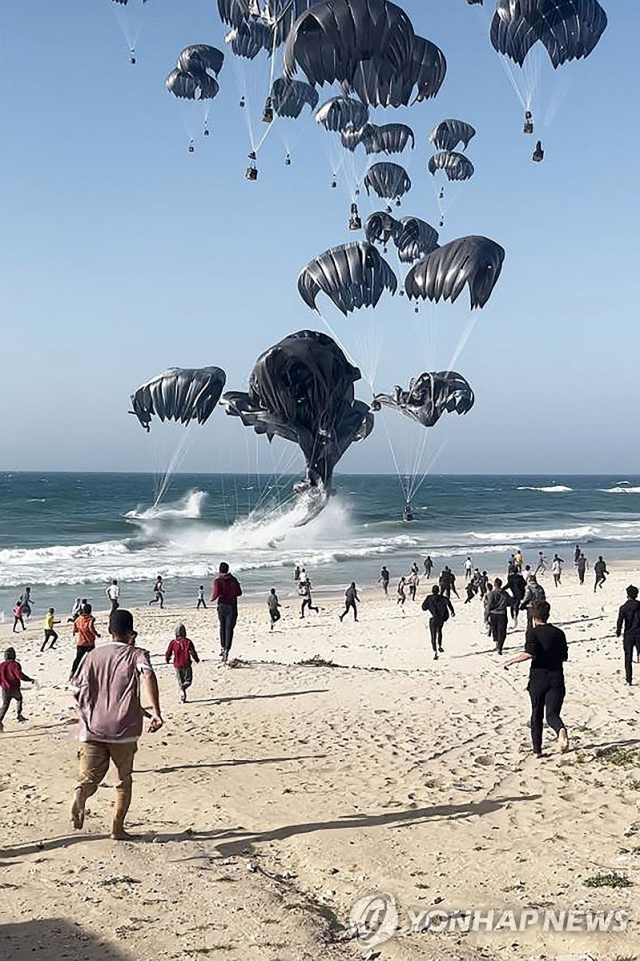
x: 123, y: 254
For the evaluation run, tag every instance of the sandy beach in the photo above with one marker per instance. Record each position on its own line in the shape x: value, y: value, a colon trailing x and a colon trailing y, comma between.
x: 280, y: 794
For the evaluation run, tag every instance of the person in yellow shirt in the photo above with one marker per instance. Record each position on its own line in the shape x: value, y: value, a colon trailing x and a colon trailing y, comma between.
x: 49, y: 632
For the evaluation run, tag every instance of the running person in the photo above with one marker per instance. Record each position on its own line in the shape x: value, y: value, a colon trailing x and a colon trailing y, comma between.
x: 201, y: 600
x: 113, y: 593
x: 498, y: 605
x: 158, y: 593
x: 384, y: 579
x: 351, y: 596
x: 546, y: 648
x: 402, y: 596
x: 18, y: 617
x: 629, y: 626
x: 226, y: 590
x: 182, y: 651
x: 601, y: 572
x: 556, y: 570
x: 84, y: 628
x: 428, y: 566
x: 273, y: 605
x: 304, y: 590
x: 439, y: 607
x: 10, y: 676
x: 581, y: 567
x: 49, y: 630
x: 542, y: 564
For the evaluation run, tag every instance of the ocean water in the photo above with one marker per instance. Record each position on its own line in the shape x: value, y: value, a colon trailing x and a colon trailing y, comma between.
x: 69, y: 534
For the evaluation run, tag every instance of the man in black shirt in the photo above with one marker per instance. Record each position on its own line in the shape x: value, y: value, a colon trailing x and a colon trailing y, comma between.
x: 498, y: 604
x: 350, y: 598
x: 439, y: 607
x: 448, y: 582
x: 600, y: 570
x: 629, y: 620
x: 518, y: 587
x: 546, y: 648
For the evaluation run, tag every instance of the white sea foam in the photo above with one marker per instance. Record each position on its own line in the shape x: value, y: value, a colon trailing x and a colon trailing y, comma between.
x: 189, y: 506
x: 552, y: 489
x: 620, y: 490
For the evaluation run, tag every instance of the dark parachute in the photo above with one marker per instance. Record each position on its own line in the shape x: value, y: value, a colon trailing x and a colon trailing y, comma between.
x: 414, y: 238
x: 248, y: 39
x: 342, y: 113
x: 388, y: 138
x: 569, y: 29
x: 181, y: 393
x: 387, y: 180
x: 429, y: 396
x: 290, y: 96
x: 301, y: 389
x: 191, y: 78
x: 471, y: 2
x: 380, y: 227
x: 455, y: 165
x: 476, y: 261
x: 449, y: 133
x: 352, y: 276
x: 369, y: 46
x: 424, y: 69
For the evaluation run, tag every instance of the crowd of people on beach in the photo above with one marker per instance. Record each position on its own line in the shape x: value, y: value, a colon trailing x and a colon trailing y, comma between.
x: 111, y: 680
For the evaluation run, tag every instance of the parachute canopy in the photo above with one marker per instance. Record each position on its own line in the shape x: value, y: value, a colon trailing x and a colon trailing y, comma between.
x: 290, y: 96
x: 342, y: 113
x: 352, y: 276
x: 429, y: 396
x: 413, y: 237
x: 569, y: 29
x: 181, y: 393
x: 387, y: 180
x: 248, y: 39
x: 301, y: 389
x: 369, y: 46
x: 455, y: 165
x: 191, y: 78
x: 449, y: 133
x: 388, y: 138
x: 472, y: 261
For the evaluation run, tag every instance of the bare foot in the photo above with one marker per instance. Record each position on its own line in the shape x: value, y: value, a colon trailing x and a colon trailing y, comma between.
x: 118, y: 833
x: 563, y: 741
x: 77, y: 813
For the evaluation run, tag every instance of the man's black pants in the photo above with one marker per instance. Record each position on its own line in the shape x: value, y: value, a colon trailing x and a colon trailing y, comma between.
x: 547, y: 691
x: 227, y: 615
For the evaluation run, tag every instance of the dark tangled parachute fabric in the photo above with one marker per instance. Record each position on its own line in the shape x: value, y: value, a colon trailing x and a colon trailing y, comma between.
x: 455, y: 165
x: 342, y: 113
x: 380, y: 227
x: 276, y: 16
x: 387, y: 180
x: 569, y: 29
x: 367, y: 45
x: 443, y: 274
x: 449, y: 133
x: 181, y: 393
x: 191, y: 79
x: 429, y: 396
x: 352, y: 276
x: 289, y: 97
x: 248, y: 39
x: 301, y: 389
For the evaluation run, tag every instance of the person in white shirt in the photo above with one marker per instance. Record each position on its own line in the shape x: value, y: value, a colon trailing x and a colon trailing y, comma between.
x: 468, y: 569
x: 113, y: 593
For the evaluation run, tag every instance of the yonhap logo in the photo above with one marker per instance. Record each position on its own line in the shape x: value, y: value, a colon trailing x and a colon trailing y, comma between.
x: 374, y: 919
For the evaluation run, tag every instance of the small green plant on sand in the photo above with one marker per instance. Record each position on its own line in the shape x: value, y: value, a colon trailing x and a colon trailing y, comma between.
x: 609, y: 879
x: 316, y: 661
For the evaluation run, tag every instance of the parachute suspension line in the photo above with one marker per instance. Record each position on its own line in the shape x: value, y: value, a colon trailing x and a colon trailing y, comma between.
x: 272, y: 59
x: 401, y: 477
x: 464, y: 337
x: 370, y: 343
x: 181, y: 451
x: 428, y: 469
x: 241, y: 80
x: 130, y: 26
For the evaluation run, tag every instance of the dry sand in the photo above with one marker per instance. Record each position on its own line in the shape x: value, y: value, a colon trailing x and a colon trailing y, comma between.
x: 280, y: 793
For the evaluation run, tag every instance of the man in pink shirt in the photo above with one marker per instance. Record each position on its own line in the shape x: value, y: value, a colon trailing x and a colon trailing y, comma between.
x: 107, y: 687
x: 226, y: 590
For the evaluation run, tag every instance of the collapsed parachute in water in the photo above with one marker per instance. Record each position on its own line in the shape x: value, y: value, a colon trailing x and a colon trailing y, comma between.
x: 569, y: 29
x: 342, y: 113
x: 301, y: 389
x: 429, y: 396
x: 387, y: 180
x: 449, y: 133
x: 387, y: 138
x: 352, y: 276
x: 472, y: 261
x: 289, y: 97
x: 191, y: 79
x: 455, y: 165
x: 181, y: 393
x: 369, y: 46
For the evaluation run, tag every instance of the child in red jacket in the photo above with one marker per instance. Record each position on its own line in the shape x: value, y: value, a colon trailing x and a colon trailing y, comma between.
x: 182, y: 651
x: 10, y: 677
